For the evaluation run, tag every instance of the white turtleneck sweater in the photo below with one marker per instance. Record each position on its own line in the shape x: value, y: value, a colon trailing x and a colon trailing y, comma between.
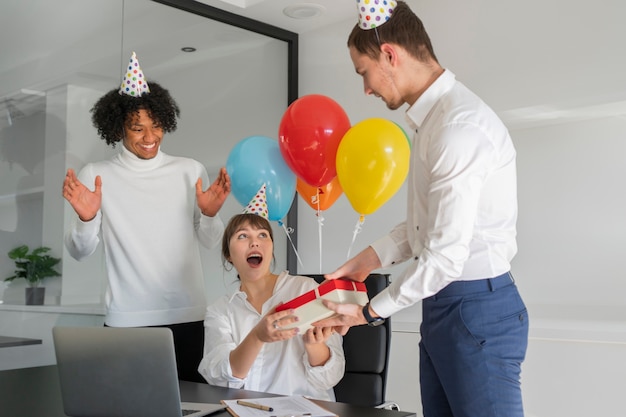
x: 150, y: 225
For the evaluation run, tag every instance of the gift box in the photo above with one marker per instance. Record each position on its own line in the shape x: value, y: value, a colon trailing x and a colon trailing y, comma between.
x: 309, y: 308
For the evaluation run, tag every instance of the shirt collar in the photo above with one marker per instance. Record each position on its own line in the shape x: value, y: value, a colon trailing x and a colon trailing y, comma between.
x: 416, y: 114
x: 137, y: 164
x: 280, y: 282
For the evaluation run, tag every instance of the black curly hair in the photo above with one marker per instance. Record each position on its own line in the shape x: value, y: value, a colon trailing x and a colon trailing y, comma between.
x: 113, y: 110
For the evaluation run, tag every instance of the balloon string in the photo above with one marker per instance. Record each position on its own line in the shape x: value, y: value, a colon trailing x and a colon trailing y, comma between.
x: 357, y: 230
x: 320, y: 223
x: 288, y: 233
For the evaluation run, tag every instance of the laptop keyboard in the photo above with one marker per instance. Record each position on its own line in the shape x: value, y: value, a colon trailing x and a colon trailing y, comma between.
x: 187, y: 412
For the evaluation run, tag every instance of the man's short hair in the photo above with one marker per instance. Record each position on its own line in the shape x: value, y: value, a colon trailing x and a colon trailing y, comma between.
x: 403, y: 28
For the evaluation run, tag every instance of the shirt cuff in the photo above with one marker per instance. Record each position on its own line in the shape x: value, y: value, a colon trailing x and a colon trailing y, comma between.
x: 387, y: 251
x: 88, y: 227
x: 383, y: 305
x: 231, y: 380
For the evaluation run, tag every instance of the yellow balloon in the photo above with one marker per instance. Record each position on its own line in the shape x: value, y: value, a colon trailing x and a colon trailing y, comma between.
x: 372, y: 163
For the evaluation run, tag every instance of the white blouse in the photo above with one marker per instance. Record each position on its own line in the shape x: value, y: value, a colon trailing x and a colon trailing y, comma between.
x: 281, y: 367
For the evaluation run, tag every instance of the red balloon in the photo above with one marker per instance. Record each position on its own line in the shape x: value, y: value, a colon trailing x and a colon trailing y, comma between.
x: 309, y: 135
x: 322, y: 197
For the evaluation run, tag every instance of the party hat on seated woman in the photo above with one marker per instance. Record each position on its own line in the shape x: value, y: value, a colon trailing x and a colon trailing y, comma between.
x: 258, y: 204
x: 134, y: 83
x: 373, y: 13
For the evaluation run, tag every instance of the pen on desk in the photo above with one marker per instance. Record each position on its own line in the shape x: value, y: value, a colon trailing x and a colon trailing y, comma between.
x: 254, y: 405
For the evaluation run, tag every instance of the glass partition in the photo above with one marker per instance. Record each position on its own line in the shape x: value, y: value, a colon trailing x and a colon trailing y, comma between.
x: 231, y: 77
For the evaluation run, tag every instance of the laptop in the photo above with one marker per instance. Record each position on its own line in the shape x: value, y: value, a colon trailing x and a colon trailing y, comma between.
x: 121, y: 372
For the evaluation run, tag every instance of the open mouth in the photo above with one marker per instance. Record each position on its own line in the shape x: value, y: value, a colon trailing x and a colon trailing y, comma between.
x: 255, y: 259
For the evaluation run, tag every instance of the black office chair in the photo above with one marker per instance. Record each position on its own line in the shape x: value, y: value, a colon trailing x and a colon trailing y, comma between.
x: 366, y: 350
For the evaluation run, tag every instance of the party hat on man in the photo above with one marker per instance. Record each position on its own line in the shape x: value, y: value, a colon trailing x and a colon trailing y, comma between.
x: 134, y: 83
x: 373, y: 13
x: 258, y: 204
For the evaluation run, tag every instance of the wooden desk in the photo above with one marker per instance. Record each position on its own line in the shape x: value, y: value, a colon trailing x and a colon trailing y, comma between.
x: 198, y: 392
x: 9, y: 341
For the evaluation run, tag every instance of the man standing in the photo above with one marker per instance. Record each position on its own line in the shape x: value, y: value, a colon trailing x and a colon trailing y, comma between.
x: 150, y: 211
x: 459, y: 234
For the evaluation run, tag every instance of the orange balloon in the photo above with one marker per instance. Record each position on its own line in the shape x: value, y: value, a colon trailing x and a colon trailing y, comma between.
x: 325, y: 195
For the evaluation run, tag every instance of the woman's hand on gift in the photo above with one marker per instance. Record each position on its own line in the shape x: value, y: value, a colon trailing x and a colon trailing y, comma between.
x: 317, y: 335
x: 271, y: 328
x: 315, y: 339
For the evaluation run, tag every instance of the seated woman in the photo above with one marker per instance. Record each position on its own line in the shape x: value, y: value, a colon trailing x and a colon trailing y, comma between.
x: 245, y: 345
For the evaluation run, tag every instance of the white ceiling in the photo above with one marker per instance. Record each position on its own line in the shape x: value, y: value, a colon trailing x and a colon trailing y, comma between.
x: 486, y: 46
x: 271, y: 12
x: 490, y: 51
x: 36, y: 49
x: 27, y: 49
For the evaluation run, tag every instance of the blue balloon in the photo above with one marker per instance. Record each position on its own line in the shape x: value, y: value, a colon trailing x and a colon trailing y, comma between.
x: 255, y: 161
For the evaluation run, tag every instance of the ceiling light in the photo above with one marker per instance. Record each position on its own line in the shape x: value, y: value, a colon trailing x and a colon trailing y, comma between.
x: 304, y: 11
x: 188, y: 49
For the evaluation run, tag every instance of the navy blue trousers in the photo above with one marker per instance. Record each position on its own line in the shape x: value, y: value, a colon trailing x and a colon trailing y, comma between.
x: 474, y: 336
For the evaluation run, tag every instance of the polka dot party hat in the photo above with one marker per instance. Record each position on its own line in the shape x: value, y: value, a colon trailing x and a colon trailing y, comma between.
x: 258, y: 204
x: 373, y: 13
x: 134, y: 83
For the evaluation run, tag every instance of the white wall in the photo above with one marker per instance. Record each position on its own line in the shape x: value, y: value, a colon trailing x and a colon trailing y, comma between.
x: 572, y: 226
x: 556, y: 74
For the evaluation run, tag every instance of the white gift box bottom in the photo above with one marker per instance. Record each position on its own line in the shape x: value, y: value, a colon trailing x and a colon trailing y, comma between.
x: 309, y: 308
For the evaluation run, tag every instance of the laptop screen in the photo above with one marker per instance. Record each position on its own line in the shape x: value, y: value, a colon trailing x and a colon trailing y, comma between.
x: 118, y: 372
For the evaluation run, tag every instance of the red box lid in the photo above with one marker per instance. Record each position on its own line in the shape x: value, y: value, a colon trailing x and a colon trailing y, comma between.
x: 298, y: 301
x: 324, y: 288
x: 340, y: 284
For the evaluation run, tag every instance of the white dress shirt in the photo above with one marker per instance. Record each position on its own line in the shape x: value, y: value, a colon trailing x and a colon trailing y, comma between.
x: 281, y: 367
x: 462, y: 198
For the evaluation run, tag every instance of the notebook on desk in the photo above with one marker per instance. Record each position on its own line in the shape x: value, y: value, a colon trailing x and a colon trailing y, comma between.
x: 121, y: 372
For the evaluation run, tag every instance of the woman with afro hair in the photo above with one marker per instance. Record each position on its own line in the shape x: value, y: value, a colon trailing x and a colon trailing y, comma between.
x: 150, y: 211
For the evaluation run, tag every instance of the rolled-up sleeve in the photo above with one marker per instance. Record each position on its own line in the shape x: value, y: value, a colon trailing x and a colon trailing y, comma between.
x: 326, y: 376
x: 218, y: 343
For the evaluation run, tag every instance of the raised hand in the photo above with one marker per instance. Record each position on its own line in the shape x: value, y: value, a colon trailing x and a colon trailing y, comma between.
x: 85, y: 202
x: 211, y: 200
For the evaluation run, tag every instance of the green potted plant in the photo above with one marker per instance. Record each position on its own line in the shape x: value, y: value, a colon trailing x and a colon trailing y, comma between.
x: 34, y: 267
